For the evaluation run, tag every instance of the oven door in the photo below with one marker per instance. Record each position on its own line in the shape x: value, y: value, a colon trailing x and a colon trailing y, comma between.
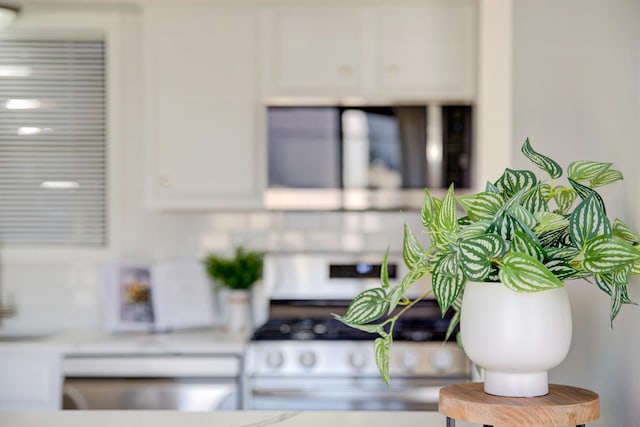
x: 339, y: 393
x: 181, y: 394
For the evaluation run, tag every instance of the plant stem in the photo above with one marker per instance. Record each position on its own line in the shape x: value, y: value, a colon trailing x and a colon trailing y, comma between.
x: 392, y: 320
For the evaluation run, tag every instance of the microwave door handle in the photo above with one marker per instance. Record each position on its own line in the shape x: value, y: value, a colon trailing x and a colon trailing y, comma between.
x: 410, y: 394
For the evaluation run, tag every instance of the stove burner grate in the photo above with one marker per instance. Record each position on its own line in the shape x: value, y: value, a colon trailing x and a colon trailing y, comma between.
x: 327, y: 329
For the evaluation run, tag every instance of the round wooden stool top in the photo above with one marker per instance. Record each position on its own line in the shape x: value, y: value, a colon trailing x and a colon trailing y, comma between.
x: 564, y: 405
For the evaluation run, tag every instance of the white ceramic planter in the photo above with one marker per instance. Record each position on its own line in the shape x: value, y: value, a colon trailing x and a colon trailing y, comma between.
x: 515, y: 337
x: 238, y: 311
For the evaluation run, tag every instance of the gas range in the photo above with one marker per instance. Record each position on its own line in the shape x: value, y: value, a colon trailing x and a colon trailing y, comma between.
x: 302, y: 358
x: 319, y: 344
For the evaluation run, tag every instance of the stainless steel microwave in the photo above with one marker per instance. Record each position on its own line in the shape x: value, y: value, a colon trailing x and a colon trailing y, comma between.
x: 365, y: 157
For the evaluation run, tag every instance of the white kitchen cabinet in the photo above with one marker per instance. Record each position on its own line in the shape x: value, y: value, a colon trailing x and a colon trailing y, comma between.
x: 315, y: 51
x: 427, y: 50
x: 30, y: 379
x: 200, y: 71
x: 412, y: 50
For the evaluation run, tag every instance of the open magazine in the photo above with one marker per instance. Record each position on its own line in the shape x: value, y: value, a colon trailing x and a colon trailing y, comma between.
x: 163, y: 296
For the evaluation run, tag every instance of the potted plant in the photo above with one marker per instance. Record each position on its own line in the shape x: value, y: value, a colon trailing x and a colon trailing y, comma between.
x: 237, y: 275
x: 501, y: 264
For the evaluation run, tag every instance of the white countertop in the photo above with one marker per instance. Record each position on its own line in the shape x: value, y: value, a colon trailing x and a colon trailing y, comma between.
x: 84, y: 343
x: 222, y: 419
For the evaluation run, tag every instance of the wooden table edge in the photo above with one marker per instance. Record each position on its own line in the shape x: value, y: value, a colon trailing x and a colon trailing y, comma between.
x: 468, y: 402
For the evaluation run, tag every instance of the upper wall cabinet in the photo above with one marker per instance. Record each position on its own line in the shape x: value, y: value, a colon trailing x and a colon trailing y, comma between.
x: 315, y: 49
x: 200, y: 70
x: 411, y: 50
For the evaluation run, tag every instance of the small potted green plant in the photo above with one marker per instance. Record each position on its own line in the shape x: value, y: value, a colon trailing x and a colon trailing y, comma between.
x: 499, y: 259
x: 237, y: 275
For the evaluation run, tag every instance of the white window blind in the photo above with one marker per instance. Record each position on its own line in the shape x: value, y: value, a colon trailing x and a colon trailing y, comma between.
x: 52, y: 142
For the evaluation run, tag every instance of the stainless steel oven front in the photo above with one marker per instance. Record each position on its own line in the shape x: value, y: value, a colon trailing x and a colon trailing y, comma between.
x: 342, y: 375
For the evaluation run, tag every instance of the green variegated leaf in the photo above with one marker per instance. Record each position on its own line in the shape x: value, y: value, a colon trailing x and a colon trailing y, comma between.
x: 474, y: 229
x: 429, y: 212
x: 494, y: 275
x: 616, y: 302
x: 543, y: 162
x: 481, y: 206
x: 513, y: 200
x: 506, y: 225
x: 523, y: 215
x: 513, y: 181
x: 413, y: 252
x: 587, y: 221
x: 372, y: 329
x: 394, y: 297
x: 564, y: 253
x: 465, y: 220
x: 549, y: 221
x: 381, y: 347
x: 635, y: 268
x: 604, y: 254
x: 448, y: 280
x: 384, y: 271
x: 553, y: 237
x: 603, y: 282
x: 523, y: 273
x: 606, y: 177
x: 545, y: 190
x: 453, y: 323
x: 366, y: 307
x: 564, y: 198
x: 585, y: 170
x: 490, y: 188
x: 523, y: 243
x: 447, y: 219
x: 407, y: 281
x: 477, y: 253
x: 620, y: 276
x: 561, y: 269
x: 584, y: 192
x: 623, y: 231
x: 534, y: 201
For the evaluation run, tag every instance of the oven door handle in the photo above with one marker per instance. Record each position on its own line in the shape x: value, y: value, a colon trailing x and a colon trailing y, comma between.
x: 411, y: 394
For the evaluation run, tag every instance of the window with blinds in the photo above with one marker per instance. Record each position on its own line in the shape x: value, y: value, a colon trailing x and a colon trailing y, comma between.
x: 52, y: 142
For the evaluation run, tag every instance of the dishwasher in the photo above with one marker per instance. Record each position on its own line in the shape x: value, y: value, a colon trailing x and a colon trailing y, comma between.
x: 202, y: 382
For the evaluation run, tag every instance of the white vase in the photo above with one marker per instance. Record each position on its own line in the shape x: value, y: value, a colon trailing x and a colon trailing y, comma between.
x: 238, y: 310
x: 515, y: 337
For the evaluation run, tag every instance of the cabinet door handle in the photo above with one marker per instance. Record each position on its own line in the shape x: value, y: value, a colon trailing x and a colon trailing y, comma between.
x: 392, y: 70
x: 346, y: 70
x: 164, y: 181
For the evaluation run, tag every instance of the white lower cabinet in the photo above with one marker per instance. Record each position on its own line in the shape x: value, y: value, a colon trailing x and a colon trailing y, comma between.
x: 202, y: 110
x: 30, y: 379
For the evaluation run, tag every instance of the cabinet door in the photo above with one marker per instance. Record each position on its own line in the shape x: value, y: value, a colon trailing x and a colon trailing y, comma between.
x: 30, y: 379
x: 200, y: 65
x: 425, y: 51
x: 315, y: 51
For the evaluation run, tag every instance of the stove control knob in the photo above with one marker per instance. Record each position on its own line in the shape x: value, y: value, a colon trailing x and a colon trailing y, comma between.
x: 410, y: 360
x: 357, y: 360
x: 441, y: 359
x: 274, y: 359
x: 307, y: 359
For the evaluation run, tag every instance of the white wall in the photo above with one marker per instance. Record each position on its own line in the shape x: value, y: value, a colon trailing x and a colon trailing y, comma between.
x: 577, y: 96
